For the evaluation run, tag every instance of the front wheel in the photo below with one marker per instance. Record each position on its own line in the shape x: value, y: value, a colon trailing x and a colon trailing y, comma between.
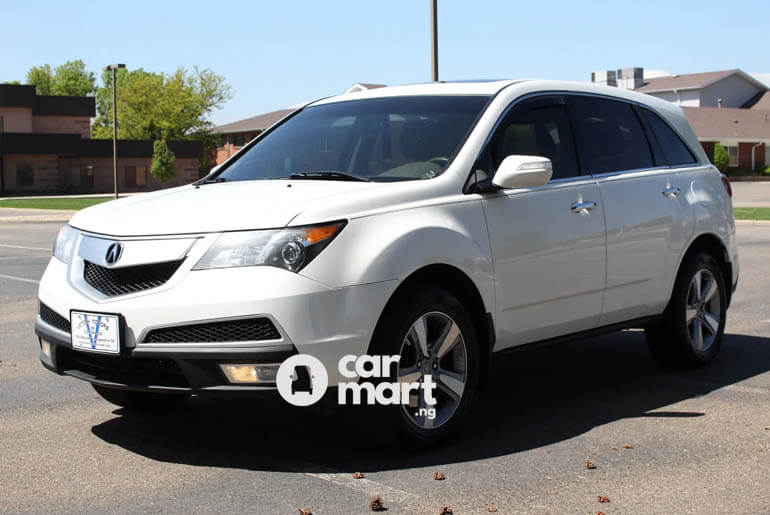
x: 691, y: 329
x: 139, y: 401
x: 434, y: 336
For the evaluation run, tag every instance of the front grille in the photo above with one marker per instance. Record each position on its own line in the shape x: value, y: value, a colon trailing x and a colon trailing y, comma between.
x: 120, y: 281
x: 51, y: 317
x: 123, y: 370
x: 252, y: 329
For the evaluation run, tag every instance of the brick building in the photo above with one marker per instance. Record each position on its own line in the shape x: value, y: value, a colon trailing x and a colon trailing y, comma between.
x: 46, y: 148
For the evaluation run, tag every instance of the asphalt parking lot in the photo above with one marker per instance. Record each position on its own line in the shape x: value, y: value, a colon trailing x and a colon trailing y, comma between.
x: 662, y: 441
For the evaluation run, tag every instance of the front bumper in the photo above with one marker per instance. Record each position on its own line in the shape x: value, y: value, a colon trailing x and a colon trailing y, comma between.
x: 170, y: 371
x: 310, y: 317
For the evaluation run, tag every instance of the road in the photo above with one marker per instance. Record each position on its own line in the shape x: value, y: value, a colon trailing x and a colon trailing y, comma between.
x: 751, y: 194
x: 663, y: 441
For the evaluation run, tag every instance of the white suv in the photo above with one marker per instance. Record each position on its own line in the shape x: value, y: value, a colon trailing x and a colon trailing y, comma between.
x: 438, y: 222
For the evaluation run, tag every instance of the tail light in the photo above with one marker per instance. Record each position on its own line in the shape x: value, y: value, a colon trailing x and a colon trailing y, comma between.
x: 726, y: 184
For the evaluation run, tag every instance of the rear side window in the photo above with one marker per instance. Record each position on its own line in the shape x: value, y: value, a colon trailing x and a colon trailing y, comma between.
x: 674, y: 149
x: 610, y: 136
x: 537, y: 127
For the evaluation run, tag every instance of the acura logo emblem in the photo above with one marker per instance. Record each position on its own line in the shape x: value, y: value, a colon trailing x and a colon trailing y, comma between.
x: 114, y: 251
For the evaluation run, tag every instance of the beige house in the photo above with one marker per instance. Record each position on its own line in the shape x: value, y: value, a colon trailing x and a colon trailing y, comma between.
x: 730, y: 107
x: 46, y: 147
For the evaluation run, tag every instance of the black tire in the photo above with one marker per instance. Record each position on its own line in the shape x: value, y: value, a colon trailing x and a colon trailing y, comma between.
x: 391, y: 332
x: 671, y: 339
x: 139, y: 401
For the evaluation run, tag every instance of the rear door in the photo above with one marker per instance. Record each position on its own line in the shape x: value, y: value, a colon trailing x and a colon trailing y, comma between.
x: 648, y: 218
x: 547, y: 242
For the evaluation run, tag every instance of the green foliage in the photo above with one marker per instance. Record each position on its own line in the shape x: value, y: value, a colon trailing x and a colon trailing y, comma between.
x: 42, y: 78
x: 163, y: 161
x: 766, y: 171
x: 70, y: 78
x: 721, y: 160
x: 160, y: 106
x: 12, y: 82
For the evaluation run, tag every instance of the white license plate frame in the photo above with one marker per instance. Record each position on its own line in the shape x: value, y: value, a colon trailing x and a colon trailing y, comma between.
x: 95, y: 332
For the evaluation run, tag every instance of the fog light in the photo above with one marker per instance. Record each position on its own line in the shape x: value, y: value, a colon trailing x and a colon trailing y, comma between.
x: 45, y: 347
x: 250, y: 373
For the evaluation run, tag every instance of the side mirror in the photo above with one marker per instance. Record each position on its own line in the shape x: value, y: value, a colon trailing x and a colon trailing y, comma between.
x: 523, y: 171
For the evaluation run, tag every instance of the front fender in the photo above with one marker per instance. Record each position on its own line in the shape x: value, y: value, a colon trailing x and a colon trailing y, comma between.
x: 393, y: 245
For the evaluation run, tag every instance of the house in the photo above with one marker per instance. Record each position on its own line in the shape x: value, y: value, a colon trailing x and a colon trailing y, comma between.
x: 731, y: 107
x: 233, y: 136
x: 745, y: 133
x: 46, y: 148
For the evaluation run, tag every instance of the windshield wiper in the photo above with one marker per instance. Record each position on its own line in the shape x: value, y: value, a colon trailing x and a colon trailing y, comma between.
x: 335, y: 176
x: 211, y: 181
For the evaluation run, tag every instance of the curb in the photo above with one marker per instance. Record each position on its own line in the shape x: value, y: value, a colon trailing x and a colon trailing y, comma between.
x: 752, y: 222
x: 34, y: 219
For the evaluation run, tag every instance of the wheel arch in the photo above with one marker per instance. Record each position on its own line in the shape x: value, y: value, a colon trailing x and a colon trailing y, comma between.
x: 713, y: 245
x: 456, y: 281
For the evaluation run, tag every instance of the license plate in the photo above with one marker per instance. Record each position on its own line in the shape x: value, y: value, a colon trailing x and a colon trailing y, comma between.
x: 95, y: 332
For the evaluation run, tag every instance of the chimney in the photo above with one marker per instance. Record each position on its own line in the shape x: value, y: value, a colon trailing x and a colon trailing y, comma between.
x: 630, y: 78
x: 604, y: 77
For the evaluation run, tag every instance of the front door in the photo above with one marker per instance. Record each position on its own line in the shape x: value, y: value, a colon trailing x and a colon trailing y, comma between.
x: 548, y: 243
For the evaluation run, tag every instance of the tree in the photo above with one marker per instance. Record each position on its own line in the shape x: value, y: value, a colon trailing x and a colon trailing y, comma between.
x: 721, y: 158
x: 163, y: 160
x: 70, y: 78
x: 42, y: 78
x: 160, y: 106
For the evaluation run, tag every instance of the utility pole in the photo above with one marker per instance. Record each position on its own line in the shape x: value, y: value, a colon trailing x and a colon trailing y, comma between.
x: 434, y: 39
x: 114, y: 68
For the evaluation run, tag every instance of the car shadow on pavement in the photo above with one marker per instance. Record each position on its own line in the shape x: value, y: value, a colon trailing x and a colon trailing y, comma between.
x: 536, y: 397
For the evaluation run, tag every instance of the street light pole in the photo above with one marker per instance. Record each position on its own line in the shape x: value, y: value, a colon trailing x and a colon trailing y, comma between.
x: 114, y: 68
x: 434, y: 39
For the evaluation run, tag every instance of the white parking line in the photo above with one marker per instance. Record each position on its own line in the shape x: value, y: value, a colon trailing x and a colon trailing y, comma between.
x: 22, y: 279
x: 22, y: 247
x: 347, y: 480
x: 25, y: 256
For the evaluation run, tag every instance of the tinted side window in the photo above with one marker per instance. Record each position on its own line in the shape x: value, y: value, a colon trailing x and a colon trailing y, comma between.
x: 537, y: 130
x: 674, y: 149
x: 610, y: 135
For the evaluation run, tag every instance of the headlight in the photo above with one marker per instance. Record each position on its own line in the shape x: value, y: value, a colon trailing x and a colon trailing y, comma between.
x: 291, y: 248
x: 65, y: 243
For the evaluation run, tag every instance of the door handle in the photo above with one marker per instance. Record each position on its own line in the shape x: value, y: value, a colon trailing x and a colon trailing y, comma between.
x: 578, y: 207
x: 671, y: 192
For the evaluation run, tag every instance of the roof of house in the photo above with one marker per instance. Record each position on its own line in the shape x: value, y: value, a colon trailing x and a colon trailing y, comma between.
x: 759, y: 101
x: 22, y: 95
x: 693, y: 81
x: 255, y: 123
x: 729, y: 123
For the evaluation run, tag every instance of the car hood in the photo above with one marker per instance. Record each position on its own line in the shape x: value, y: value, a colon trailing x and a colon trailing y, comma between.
x: 228, y: 206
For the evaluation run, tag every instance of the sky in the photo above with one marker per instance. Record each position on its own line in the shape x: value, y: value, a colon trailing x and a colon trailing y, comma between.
x: 281, y: 52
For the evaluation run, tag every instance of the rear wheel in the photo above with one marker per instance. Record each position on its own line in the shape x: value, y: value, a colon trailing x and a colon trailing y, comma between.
x: 691, y: 329
x: 434, y: 336
x: 139, y: 401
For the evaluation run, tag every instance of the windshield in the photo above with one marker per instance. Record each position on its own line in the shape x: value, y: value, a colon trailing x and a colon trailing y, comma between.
x: 383, y: 139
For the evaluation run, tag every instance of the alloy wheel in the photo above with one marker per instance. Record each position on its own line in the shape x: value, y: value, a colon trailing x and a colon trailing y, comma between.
x: 703, y: 310
x: 434, y: 345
